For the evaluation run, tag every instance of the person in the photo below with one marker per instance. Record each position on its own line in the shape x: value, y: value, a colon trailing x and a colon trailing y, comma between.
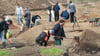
x: 59, y: 32
x: 36, y: 19
x: 43, y: 38
x: 56, y: 9
x: 72, y: 10
x: 19, y: 13
x: 4, y: 26
x: 5, y: 17
x: 27, y: 17
x: 52, y: 13
x: 64, y: 15
x: 49, y: 12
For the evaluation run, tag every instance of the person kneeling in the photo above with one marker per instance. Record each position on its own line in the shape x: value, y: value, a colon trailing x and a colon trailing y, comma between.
x: 35, y: 20
x: 43, y: 38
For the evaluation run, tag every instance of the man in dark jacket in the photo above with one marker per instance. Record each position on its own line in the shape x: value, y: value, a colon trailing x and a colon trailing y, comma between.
x: 4, y: 26
x: 59, y: 32
x: 27, y: 18
x: 56, y: 9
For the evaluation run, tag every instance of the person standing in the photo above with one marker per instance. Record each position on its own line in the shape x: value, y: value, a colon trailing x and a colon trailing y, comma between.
x: 56, y: 9
x: 72, y: 10
x: 52, y: 13
x: 58, y: 32
x: 49, y: 12
x: 19, y: 13
x: 4, y: 26
x: 27, y: 18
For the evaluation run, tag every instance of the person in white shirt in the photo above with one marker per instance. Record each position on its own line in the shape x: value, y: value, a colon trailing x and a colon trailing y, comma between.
x: 52, y: 13
x: 19, y: 13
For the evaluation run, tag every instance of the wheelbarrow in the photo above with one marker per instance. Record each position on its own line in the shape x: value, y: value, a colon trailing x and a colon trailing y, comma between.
x: 94, y: 21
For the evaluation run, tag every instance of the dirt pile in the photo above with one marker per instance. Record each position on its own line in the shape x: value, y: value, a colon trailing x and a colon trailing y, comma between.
x: 90, y: 36
x: 89, y: 42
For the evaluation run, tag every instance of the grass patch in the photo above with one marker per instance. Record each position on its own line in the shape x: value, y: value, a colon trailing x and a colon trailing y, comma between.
x: 5, y: 53
x: 51, y: 52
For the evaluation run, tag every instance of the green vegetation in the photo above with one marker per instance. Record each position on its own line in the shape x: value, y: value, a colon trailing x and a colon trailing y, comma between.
x: 51, y: 52
x: 5, y: 53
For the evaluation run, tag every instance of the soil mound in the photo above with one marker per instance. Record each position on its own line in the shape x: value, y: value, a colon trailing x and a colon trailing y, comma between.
x: 89, y: 42
x: 89, y: 36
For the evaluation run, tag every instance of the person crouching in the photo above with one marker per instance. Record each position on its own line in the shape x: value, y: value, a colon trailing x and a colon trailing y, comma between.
x: 43, y: 38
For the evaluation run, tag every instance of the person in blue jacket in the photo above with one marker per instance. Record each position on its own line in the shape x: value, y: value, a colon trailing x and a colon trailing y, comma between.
x: 65, y: 15
x: 56, y: 9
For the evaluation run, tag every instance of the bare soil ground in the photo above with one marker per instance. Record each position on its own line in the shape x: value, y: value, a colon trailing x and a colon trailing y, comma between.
x: 87, y: 32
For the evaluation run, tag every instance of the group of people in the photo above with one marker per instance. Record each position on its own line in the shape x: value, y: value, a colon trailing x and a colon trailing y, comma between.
x: 26, y: 15
x: 53, y: 12
x: 21, y: 14
x: 57, y: 31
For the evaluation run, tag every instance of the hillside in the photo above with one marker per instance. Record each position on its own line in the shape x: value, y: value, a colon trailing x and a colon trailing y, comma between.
x: 8, y: 6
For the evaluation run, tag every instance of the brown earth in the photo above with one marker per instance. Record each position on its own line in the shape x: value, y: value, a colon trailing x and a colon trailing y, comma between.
x: 8, y: 6
x: 88, y: 34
